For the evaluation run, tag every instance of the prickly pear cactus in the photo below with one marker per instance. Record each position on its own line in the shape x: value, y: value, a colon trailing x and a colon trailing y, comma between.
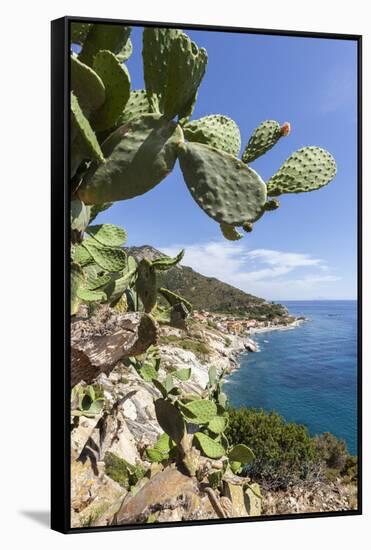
x: 170, y: 419
x: 209, y: 446
x: 84, y: 143
x: 165, y: 263
x: 230, y: 232
x: 241, y: 453
x: 200, y: 411
x: 218, y: 131
x: 138, y: 156
x: 109, y: 259
x: 224, y: 187
x: 146, y: 284
x: 136, y: 106
x: 116, y: 80
x: 107, y: 234
x: 264, y: 137
x: 307, y: 169
x: 174, y: 298
x: 87, y: 85
x: 103, y: 37
x: 173, y: 69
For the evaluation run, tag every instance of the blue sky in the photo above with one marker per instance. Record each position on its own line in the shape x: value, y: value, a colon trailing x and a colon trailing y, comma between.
x: 307, y: 248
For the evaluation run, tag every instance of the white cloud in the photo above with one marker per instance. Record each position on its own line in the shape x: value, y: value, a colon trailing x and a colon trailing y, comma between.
x: 272, y: 274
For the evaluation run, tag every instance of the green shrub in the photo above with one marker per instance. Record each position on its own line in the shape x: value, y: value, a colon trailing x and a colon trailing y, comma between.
x: 285, y: 452
x: 331, y: 450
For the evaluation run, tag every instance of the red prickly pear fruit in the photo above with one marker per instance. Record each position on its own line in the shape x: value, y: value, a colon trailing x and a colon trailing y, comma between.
x: 285, y: 129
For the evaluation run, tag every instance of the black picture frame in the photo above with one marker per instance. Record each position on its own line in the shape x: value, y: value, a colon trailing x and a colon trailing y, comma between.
x: 60, y: 238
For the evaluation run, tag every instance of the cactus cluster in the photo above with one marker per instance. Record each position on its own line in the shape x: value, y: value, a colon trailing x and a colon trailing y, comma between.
x: 194, y: 425
x: 125, y: 142
x: 86, y: 401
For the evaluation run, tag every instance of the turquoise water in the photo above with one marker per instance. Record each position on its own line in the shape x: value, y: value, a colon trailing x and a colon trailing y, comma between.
x: 307, y: 374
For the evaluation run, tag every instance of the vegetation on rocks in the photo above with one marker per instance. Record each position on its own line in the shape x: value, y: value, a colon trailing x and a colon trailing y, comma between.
x: 124, y: 142
x: 285, y: 453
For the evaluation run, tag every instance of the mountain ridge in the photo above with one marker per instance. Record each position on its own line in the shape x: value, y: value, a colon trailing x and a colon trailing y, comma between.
x: 209, y: 293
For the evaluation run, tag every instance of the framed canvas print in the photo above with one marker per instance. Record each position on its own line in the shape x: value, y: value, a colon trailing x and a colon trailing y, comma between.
x: 206, y: 354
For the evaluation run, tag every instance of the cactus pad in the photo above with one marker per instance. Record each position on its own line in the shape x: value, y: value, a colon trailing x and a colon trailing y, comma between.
x: 165, y: 263
x: 241, y: 453
x: 79, y: 32
x: 104, y: 37
x: 80, y: 215
x: 116, y: 80
x: 139, y: 155
x: 107, y: 234
x: 136, y: 106
x: 224, y: 187
x: 84, y: 144
x: 200, y: 411
x: 170, y: 419
x: 217, y: 424
x: 209, y: 447
x: 109, y: 259
x: 218, y: 131
x: 264, y: 137
x: 77, y: 280
x: 146, y: 284
x: 173, y: 69
x: 183, y: 374
x: 87, y: 85
x: 230, y: 232
x: 307, y: 169
x: 91, y: 295
x: 174, y: 298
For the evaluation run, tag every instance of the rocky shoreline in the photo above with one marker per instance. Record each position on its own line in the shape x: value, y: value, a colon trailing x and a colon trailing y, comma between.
x: 128, y: 424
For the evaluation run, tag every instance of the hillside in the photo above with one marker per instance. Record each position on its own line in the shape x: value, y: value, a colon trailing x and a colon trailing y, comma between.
x: 208, y: 293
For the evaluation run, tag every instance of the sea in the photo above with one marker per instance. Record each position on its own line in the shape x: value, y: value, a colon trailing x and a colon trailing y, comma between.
x: 307, y: 374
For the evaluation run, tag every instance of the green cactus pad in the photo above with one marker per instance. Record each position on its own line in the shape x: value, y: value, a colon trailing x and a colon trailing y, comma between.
x: 241, y: 453
x: 183, y: 374
x: 82, y: 256
x: 212, y: 375
x: 230, y: 232
x: 307, y: 169
x: 80, y: 215
x: 96, y: 281
x: 107, y: 234
x: 109, y: 259
x: 173, y: 298
x: 87, y: 85
x: 224, y: 187
x: 139, y: 155
x: 79, y: 32
x: 218, y: 131
x: 217, y: 424
x: 118, y: 284
x: 84, y: 144
x: 209, y: 447
x: 263, y: 138
x: 170, y: 419
x: 104, y: 37
x: 146, y: 284
x: 125, y: 53
x: 91, y: 295
x: 165, y: 263
x: 173, y: 69
x: 271, y: 205
x: 116, y: 80
x: 136, y: 106
x: 77, y: 281
x: 200, y: 411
